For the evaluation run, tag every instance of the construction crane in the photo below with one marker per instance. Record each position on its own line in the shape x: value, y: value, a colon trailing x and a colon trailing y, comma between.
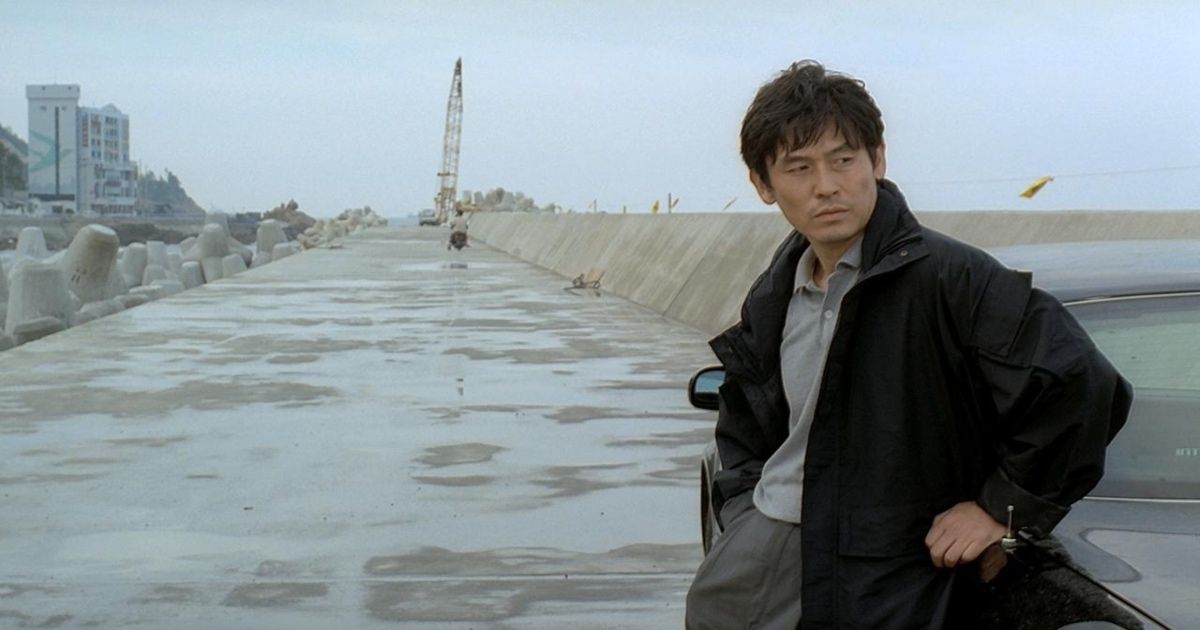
x: 448, y: 176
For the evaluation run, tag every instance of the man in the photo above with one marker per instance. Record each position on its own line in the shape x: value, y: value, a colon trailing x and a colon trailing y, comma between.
x: 458, y: 230
x: 889, y: 393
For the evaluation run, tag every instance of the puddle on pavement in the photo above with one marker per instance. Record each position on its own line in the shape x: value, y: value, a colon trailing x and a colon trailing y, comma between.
x: 49, y: 403
x: 46, y: 478
x: 490, y: 601
x: 283, y: 359
x: 91, y: 461
x: 148, y: 441
x: 667, y: 440
x: 168, y: 595
x: 643, y: 558
x: 686, y: 469
x: 457, y: 454
x: 574, y: 481
x: 577, y: 414
x: 466, y: 481
x: 267, y: 594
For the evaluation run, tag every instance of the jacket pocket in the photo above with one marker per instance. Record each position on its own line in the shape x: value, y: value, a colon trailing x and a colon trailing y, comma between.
x: 886, y: 531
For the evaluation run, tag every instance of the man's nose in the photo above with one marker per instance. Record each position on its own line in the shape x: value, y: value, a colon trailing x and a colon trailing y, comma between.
x: 826, y: 184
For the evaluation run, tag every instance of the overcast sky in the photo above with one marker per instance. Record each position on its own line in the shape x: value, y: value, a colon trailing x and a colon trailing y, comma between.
x: 342, y: 104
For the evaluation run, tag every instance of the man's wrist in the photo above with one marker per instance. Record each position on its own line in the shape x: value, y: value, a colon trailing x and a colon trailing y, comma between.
x: 1029, y: 512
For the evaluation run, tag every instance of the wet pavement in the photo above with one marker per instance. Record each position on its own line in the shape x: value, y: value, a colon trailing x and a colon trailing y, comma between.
x: 383, y: 435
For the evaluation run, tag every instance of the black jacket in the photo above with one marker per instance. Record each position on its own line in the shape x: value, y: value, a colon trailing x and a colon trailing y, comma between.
x: 948, y: 378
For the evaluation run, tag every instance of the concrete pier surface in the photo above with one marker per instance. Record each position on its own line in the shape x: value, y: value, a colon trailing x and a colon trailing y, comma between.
x: 383, y: 435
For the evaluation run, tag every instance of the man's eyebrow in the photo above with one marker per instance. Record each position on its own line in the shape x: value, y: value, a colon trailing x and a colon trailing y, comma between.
x: 844, y: 146
x: 791, y: 156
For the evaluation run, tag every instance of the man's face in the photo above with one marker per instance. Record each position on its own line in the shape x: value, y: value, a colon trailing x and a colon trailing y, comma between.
x: 826, y: 190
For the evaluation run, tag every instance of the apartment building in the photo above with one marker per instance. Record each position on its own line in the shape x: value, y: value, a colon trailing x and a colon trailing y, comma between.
x: 78, y: 156
x: 107, y: 178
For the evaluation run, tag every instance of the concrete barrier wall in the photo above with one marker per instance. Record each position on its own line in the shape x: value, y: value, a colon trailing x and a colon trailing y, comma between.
x: 696, y: 268
x: 59, y: 230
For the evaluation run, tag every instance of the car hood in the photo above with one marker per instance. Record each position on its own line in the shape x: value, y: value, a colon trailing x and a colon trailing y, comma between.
x: 1149, y: 551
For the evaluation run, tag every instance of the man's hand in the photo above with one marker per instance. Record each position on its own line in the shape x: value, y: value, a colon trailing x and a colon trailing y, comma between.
x: 961, y: 535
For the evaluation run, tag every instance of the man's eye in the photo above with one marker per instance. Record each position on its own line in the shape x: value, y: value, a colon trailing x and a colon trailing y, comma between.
x: 799, y: 168
x: 845, y: 159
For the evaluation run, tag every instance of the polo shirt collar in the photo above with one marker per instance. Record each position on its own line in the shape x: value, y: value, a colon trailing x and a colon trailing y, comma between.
x: 852, y: 259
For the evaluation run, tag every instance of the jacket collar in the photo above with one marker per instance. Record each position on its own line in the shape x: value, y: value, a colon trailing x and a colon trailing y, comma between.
x: 891, y: 240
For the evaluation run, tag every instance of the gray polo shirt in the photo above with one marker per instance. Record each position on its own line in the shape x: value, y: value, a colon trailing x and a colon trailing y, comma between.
x: 812, y: 315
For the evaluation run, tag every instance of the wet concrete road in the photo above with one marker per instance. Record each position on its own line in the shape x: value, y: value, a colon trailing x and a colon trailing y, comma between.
x: 385, y: 435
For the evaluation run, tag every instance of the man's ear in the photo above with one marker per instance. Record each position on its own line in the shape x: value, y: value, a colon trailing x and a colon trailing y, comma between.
x: 764, y: 189
x: 880, y: 167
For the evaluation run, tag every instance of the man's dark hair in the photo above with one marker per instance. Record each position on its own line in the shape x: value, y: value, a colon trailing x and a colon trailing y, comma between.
x: 793, y: 110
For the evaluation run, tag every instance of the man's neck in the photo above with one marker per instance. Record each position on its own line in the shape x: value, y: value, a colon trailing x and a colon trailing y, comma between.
x: 827, y: 257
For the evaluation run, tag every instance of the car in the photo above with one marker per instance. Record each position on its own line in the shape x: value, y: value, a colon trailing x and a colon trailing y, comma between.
x: 1133, y: 544
x: 427, y: 217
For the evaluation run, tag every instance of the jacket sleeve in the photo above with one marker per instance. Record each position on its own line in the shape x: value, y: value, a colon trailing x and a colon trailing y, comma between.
x: 1058, y: 401
x: 737, y: 446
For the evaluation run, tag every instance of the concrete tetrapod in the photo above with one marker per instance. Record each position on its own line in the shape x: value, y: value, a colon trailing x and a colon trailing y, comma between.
x: 149, y: 292
x: 232, y: 265
x: 213, y: 268
x: 34, y: 329
x: 3, y: 298
x: 187, y: 243
x: 116, y: 281
x: 168, y: 286
x: 131, y: 299
x: 156, y: 254
x: 96, y: 310
x: 270, y: 233
x: 154, y: 272
x: 208, y: 250
x: 38, y: 290
x: 191, y: 275
x: 260, y: 259
x: 89, y: 261
x: 31, y: 242
x: 235, y: 246
x: 133, y: 264
x: 210, y: 243
x: 282, y: 250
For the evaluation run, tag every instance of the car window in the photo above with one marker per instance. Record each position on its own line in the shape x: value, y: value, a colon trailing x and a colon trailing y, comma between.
x: 1155, y: 343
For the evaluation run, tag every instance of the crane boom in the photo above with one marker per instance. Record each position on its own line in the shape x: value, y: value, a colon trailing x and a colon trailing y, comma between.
x: 448, y: 184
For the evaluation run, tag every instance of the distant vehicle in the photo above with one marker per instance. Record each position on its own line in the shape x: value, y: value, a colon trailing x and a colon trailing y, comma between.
x: 1134, y: 542
x: 427, y: 217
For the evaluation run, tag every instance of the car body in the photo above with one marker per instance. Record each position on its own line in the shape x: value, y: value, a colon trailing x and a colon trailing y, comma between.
x: 1136, y: 538
x: 427, y: 217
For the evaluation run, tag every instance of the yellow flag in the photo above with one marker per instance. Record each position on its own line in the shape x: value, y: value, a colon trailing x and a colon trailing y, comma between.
x: 1036, y: 186
x: 654, y: 208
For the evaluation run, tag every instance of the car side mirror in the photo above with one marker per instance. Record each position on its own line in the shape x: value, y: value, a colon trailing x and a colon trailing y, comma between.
x: 702, y: 389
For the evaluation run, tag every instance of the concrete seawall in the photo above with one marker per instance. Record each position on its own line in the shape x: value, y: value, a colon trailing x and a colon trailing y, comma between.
x: 60, y: 230
x: 696, y: 268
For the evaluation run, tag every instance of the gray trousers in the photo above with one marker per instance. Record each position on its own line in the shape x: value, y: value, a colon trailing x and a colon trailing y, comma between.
x: 751, y: 576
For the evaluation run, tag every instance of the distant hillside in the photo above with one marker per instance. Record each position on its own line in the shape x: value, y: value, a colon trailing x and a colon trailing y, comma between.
x: 156, y: 195
x: 12, y: 162
x: 14, y: 142
x: 164, y: 195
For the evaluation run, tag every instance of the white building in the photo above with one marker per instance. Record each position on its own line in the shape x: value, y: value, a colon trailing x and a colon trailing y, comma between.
x: 78, y: 156
x: 53, y: 147
x: 107, y: 179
